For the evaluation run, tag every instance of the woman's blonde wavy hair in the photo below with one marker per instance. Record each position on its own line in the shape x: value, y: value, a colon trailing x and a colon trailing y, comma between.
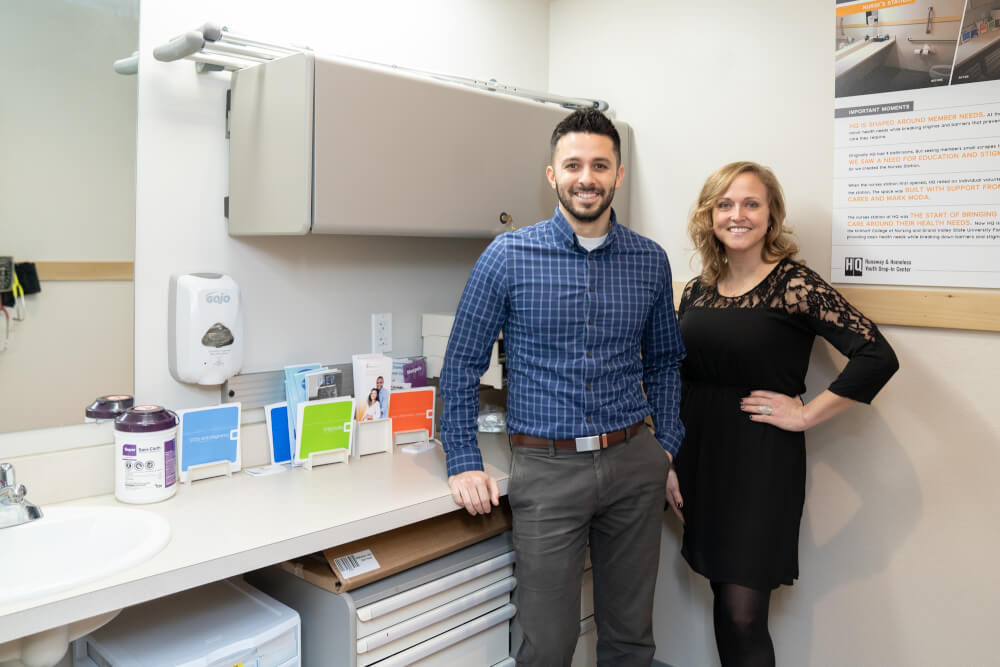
x: 778, y: 243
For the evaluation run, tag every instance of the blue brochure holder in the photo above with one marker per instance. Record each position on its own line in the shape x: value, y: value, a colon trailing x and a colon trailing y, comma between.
x: 209, y: 441
x: 277, y: 432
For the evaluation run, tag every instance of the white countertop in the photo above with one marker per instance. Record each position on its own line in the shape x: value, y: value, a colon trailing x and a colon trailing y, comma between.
x: 975, y: 46
x: 223, y: 527
x: 852, y: 57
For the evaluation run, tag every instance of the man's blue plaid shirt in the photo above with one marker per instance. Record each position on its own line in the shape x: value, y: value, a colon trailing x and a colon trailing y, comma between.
x: 574, y: 324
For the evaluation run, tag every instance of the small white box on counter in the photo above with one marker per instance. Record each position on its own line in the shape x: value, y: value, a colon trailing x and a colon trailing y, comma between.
x: 437, y: 324
x: 435, y: 346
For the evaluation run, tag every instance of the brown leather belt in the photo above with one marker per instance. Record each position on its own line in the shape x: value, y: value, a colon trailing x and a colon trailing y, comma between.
x: 587, y: 443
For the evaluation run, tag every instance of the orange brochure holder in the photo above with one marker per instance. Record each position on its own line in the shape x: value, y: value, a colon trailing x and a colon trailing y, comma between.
x: 412, y: 413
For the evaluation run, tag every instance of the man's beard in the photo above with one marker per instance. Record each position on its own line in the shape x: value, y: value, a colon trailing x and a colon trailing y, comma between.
x: 566, y: 199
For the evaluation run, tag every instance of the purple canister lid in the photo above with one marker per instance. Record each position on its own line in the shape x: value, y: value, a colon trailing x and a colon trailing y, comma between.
x: 146, y: 419
x: 109, y: 407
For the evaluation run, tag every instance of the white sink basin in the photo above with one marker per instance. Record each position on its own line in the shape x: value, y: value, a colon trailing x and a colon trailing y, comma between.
x: 72, y: 546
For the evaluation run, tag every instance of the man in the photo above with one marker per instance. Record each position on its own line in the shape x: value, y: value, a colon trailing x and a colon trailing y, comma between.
x: 383, y: 396
x: 586, y: 308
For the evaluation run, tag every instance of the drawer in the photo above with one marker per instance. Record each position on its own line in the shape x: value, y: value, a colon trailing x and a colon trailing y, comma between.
x: 586, y: 646
x: 496, y: 594
x: 483, y: 640
x: 398, y: 608
x: 408, y: 634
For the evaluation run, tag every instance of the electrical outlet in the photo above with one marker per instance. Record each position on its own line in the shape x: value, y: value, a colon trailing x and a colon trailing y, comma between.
x: 381, y: 332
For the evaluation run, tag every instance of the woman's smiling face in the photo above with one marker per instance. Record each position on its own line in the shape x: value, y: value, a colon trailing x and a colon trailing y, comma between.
x: 741, y: 215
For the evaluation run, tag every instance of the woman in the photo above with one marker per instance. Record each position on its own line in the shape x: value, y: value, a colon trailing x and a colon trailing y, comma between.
x: 748, y: 322
x: 374, y: 409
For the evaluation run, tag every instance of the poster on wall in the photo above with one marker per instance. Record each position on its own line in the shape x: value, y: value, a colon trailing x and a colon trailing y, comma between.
x: 917, y: 143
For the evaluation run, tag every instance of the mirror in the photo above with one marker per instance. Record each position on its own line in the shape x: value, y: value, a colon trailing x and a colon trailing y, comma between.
x: 67, y: 204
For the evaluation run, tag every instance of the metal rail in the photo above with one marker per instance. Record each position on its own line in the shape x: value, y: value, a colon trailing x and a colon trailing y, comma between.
x: 216, y: 48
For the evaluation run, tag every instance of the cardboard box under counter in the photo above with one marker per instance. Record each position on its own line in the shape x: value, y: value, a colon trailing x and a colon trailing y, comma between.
x: 400, y: 549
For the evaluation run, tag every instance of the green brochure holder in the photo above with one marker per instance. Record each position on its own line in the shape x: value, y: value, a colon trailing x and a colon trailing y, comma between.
x: 326, y: 431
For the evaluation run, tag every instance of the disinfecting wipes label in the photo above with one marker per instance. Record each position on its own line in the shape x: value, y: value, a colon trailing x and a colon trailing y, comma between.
x: 150, y: 466
x: 354, y: 564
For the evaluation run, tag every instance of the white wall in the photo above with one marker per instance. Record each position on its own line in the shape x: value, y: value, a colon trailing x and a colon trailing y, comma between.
x: 900, y: 520
x: 288, y: 283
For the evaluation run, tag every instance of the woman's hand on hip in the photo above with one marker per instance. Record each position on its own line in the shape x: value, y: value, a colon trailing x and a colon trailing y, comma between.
x: 769, y: 407
x: 674, y: 498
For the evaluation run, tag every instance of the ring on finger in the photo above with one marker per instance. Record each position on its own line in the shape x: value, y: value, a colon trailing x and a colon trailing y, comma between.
x: 764, y: 409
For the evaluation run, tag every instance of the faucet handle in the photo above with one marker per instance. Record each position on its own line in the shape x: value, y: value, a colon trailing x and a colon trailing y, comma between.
x: 7, y: 475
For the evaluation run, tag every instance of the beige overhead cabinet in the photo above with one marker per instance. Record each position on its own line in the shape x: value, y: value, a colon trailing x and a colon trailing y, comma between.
x: 329, y: 146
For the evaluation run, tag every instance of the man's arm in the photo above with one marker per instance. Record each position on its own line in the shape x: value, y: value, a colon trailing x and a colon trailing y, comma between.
x: 481, y: 313
x: 662, y: 353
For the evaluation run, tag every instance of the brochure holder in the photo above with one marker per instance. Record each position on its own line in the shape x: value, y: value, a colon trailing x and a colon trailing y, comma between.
x: 279, y: 446
x: 208, y: 442
x: 206, y: 470
x: 323, y: 458
x: 421, y: 444
x: 326, y: 432
x: 412, y: 412
x: 372, y: 437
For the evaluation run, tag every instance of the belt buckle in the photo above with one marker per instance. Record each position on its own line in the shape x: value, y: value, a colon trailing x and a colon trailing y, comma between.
x: 588, y: 443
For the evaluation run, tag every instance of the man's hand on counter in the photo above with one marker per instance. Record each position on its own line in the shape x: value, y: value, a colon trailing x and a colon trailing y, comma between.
x: 475, y: 491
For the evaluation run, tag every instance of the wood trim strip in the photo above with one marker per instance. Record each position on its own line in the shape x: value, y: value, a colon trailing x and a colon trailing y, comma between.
x: 62, y: 271
x: 973, y: 310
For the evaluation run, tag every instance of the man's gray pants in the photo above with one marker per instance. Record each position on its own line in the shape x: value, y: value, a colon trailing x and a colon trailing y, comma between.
x: 561, y: 500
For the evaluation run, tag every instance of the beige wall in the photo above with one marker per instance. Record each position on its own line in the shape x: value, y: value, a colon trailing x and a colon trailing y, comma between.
x: 67, y: 193
x: 900, y: 521
x: 74, y: 345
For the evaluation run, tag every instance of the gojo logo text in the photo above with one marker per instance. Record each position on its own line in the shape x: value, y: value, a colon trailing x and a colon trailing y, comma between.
x: 217, y: 297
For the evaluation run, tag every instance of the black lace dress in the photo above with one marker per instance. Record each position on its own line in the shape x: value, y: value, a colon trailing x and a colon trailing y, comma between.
x: 743, y: 482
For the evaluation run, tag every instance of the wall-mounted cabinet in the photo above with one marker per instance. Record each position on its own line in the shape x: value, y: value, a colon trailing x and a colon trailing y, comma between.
x: 332, y: 146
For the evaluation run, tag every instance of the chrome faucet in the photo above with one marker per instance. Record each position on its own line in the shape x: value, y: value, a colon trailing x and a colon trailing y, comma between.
x: 15, y: 509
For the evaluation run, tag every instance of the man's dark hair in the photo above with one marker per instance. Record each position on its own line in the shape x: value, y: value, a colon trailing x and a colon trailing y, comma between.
x: 589, y: 121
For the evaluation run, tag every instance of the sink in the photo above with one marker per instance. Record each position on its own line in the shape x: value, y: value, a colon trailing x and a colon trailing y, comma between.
x: 72, y: 546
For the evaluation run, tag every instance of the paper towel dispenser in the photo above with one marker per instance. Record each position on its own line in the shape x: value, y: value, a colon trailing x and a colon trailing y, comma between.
x: 332, y: 146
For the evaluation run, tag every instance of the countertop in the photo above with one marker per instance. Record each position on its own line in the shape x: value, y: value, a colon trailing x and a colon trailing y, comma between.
x: 222, y: 527
x: 972, y: 48
x: 857, y: 55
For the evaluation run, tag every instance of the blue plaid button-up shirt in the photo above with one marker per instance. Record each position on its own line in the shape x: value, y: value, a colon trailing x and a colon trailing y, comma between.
x: 574, y: 324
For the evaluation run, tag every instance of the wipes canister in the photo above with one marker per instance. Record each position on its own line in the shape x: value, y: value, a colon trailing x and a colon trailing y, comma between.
x: 145, y: 454
x: 107, y: 408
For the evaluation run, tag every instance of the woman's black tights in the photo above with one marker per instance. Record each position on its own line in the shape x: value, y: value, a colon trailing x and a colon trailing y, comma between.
x: 740, y: 615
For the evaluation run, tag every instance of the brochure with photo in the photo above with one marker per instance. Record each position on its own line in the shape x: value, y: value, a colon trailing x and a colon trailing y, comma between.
x: 325, y: 383
x: 372, y: 375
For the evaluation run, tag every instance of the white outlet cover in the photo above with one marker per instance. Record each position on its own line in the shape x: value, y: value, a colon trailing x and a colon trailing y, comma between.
x: 381, y: 332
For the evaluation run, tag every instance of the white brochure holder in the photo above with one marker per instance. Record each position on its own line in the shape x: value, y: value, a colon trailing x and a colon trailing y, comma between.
x: 206, y: 470
x: 372, y: 437
x: 323, y: 458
